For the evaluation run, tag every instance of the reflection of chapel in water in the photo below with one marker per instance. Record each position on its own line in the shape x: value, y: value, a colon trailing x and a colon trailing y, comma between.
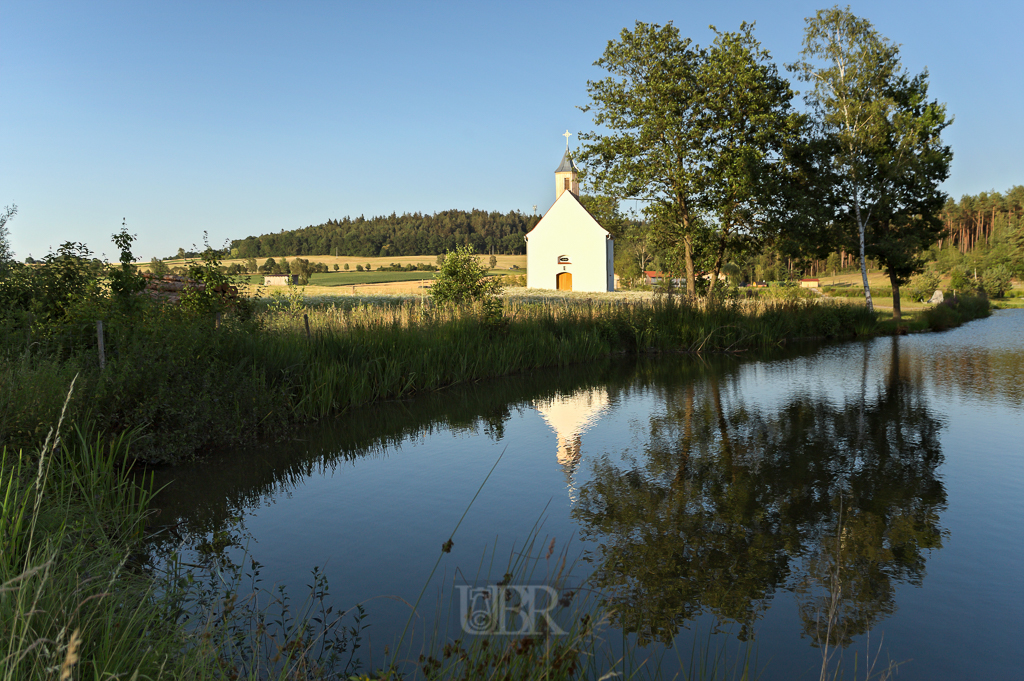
x: 570, y: 416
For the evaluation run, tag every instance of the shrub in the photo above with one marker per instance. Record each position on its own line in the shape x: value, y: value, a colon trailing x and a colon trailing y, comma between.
x: 158, y: 268
x: 5, y: 246
x: 940, y: 317
x: 46, y: 291
x: 923, y: 285
x: 956, y: 311
x: 997, y: 281
x: 462, y: 279
x: 304, y: 268
x: 216, y: 282
x: 960, y: 281
x: 857, y: 291
x: 786, y: 291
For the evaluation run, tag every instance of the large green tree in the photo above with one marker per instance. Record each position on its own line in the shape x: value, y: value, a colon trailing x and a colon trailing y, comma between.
x: 697, y: 134
x: 751, y: 131
x: 914, y: 163
x: 648, y: 105
x: 634, y: 249
x: 888, y: 155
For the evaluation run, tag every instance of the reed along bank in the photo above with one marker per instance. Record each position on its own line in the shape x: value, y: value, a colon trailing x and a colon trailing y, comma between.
x: 183, y: 382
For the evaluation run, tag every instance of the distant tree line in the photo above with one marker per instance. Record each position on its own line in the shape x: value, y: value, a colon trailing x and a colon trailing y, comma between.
x: 977, y: 220
x: 397, y: 235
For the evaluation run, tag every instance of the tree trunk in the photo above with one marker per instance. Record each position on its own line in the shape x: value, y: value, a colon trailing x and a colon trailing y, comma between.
x: 896, y: 312
x: 723, y: 429
x: 679, y: 483
x: 715, y: 270
x: 691, y: 277
x: 863, y: 259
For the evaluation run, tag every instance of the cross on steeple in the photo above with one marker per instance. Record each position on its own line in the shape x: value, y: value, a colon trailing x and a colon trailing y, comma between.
x: 566, y: 136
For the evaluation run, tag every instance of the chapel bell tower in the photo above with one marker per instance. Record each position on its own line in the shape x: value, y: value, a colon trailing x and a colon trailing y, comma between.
x: 566, y: 177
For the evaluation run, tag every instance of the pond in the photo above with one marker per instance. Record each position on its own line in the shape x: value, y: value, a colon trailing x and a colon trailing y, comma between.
x: 728, y: 502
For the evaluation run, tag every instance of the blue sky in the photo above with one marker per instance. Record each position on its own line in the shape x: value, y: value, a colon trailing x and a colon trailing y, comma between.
x: 246, y: 118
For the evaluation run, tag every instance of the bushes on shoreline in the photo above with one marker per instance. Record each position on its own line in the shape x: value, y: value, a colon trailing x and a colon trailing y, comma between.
x: 191, y: 384
x: 955, y: 311
x: 857, y: 292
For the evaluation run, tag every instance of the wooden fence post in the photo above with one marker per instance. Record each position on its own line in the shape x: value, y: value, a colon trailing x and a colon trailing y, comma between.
x: 305, y: 318
x: 99, y: 342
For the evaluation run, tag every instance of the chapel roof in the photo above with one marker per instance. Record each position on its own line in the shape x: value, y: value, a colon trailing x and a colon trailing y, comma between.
x: 566, y: 166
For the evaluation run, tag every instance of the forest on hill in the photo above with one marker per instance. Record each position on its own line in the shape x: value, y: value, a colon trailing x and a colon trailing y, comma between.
x: 396, y: 235
x: 978, y: 220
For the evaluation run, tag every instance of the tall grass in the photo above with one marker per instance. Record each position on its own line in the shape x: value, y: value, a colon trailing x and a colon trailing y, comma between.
x: 77, y: 602
x: 71, y: 603
x: 191, y: 384
x: 367, y: 354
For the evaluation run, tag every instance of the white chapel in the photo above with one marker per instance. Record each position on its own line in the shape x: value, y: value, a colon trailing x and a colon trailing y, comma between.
x: 568, y: 250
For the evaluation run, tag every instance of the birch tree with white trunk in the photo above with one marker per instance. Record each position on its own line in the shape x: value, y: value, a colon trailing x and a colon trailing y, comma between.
x: 850, y: 67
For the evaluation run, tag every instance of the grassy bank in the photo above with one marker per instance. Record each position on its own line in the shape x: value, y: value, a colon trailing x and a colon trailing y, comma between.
x: 189, y: 383
x: 71, y: 602
x: 77, y: 601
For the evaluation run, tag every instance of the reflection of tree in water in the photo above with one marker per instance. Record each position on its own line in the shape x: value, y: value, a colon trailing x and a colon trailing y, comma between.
x: 990, y: 374
x: 733, y: 503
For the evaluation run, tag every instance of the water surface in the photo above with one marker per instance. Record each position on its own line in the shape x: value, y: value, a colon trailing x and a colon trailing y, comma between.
x: 729, y: 494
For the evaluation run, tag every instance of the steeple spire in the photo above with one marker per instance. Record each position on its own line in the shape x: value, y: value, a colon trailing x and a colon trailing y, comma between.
x: 566, y: 175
